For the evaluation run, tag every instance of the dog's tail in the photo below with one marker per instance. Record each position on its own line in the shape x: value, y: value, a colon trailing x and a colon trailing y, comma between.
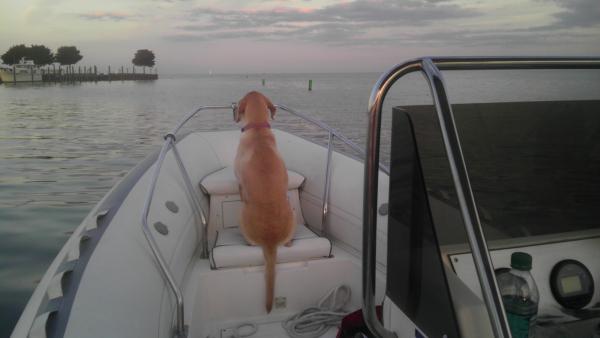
x: 270, y: 254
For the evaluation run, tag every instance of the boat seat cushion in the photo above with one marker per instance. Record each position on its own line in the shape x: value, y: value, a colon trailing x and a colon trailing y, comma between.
x: 224, y: 182
x: 232, y: 250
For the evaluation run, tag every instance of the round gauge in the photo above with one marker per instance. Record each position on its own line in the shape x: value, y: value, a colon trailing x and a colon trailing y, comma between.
x: 572, y: 284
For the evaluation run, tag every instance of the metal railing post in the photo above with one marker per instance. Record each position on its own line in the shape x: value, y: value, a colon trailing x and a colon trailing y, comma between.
x: 181, y: 328
x: 371, y: 180
x: 335, y: 133
x: 466, y: 201
x: 327, y: 187
x: 195, y: 200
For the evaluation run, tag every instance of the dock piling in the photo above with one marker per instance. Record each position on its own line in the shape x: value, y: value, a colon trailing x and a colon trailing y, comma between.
x: 309, y: 85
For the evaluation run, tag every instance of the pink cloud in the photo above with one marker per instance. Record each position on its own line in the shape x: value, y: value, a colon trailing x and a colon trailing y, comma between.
x: 104, y: 15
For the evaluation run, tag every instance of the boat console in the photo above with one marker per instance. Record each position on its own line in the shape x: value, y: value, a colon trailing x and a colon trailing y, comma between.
x: 536, y: 189
x: 472, y: 182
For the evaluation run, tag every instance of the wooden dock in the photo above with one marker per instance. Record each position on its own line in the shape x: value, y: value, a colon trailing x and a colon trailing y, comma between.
x: 88, y: 74
x: 78, y: 77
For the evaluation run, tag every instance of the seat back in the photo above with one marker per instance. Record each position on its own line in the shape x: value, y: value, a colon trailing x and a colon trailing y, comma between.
x: 226, y: 205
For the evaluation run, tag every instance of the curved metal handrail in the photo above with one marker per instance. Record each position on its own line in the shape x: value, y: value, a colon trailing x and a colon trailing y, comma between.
x: 181, y: 329
x: 170, y: 143
x: 324, y: 126
x: 170, y: 138
x: 431, y: 69
x: 332, y: 134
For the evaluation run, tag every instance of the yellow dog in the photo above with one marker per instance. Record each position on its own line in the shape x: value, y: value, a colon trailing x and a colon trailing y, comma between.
x: 267, y: 219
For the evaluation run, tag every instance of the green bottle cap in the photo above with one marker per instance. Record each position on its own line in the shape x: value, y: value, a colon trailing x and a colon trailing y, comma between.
x: 520, y: 261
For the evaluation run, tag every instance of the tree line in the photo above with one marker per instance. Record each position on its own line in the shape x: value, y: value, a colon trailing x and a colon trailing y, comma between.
x: 65, y: 55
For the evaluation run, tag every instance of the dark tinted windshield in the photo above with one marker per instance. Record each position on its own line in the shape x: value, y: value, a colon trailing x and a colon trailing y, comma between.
x: 534, y: 166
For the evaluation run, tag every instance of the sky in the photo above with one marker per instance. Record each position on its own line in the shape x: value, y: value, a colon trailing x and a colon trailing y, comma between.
x: 288, y: 36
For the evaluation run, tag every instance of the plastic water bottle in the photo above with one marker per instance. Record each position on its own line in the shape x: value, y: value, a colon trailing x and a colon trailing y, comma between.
x: 520, y: 296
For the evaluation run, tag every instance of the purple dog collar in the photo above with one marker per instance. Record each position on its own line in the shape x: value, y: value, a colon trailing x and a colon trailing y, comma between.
x: 256, y: 126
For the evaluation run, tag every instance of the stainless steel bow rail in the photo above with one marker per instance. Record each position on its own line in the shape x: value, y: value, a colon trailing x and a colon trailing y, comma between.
x: 170, y: 143
x: 332, y: 135
x: 431, y: 67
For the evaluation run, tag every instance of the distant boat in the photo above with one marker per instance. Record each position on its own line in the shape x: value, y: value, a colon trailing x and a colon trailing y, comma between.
x: 24, y: 71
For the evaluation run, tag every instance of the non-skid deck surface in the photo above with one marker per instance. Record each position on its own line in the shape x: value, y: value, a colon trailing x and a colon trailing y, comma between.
x: 225, y: 298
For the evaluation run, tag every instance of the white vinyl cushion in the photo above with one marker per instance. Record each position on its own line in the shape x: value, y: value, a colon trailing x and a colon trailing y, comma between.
x: 224, y: 182
x: 232, y: 250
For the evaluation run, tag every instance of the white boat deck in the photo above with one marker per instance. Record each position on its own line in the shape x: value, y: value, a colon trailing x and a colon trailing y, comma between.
x: 140, y: 303
x: 221, y: 300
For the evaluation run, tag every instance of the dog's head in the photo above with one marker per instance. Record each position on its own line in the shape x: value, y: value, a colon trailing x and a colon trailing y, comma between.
x: 255, y: 100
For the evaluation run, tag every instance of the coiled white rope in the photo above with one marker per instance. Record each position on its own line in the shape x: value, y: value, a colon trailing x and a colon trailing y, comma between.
x: 315, y: 321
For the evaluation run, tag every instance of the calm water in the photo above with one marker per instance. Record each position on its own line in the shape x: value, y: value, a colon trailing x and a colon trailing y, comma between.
x: 62, y: 146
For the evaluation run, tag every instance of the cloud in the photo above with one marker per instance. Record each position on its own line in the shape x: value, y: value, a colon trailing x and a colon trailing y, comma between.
x: 388, y: 11
x: 577, y: 13
x: 574, y: 21
x: 342, y: 23
x: 416, y: 23
x: 106, y: 16
x: 508, y: 39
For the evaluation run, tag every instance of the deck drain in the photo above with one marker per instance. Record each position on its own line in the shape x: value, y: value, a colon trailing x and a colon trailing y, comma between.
x: 161, y: 228
x: 172, y: 207
x: 280, y: 302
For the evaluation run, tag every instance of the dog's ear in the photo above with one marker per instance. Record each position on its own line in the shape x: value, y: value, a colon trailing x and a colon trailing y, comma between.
x: 239, y: 110
x: 272, y: 108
